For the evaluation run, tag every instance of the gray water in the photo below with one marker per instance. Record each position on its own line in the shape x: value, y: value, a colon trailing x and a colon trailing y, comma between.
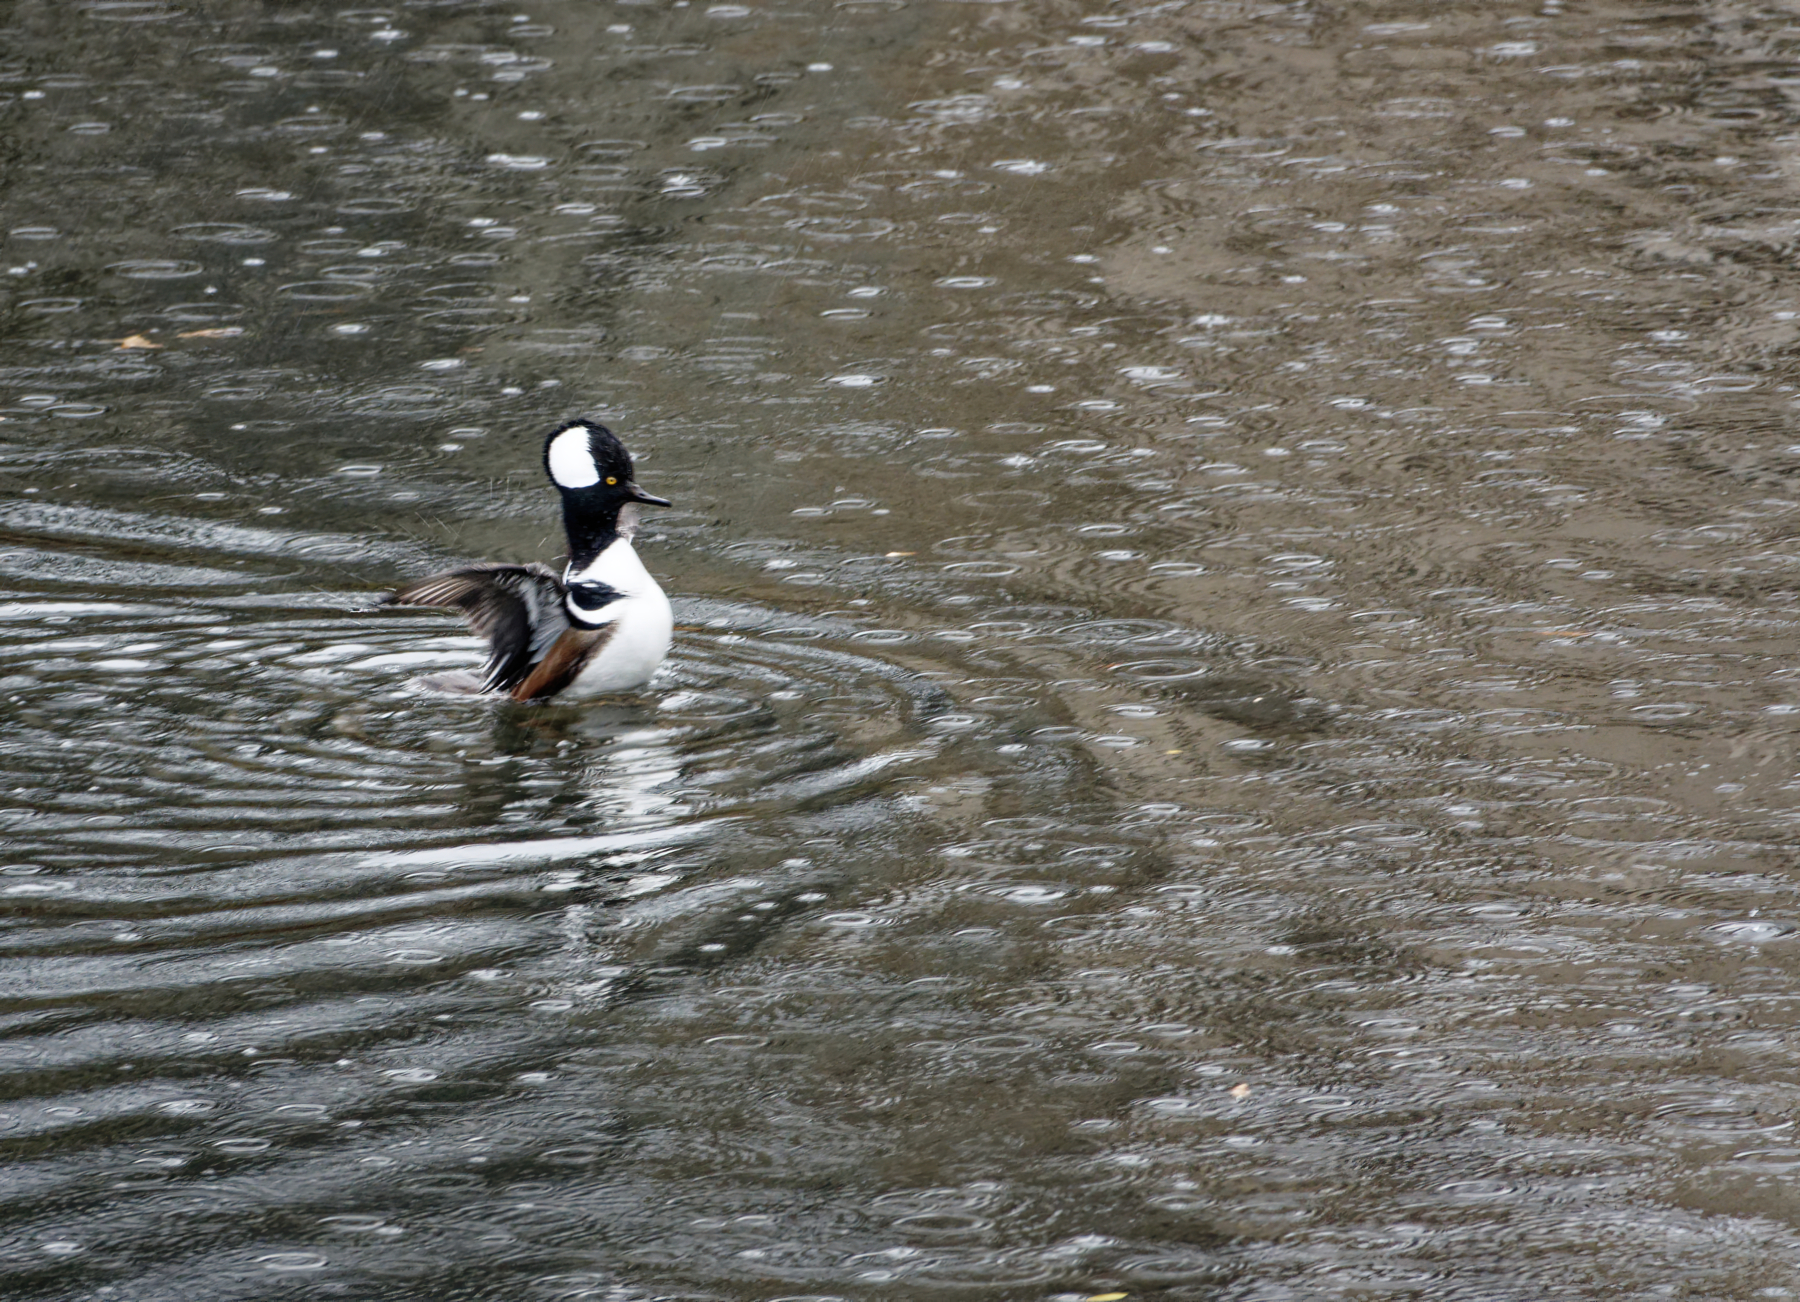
x: 1231, y: 734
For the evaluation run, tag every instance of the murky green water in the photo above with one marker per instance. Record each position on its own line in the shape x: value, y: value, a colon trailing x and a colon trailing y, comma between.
x: 1232, y: 733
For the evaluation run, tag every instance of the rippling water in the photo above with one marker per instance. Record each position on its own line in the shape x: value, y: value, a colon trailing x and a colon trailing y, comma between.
x: 1232, y: 728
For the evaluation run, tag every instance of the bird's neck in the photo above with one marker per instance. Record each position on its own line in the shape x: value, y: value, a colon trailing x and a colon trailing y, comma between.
x: 592, y: 529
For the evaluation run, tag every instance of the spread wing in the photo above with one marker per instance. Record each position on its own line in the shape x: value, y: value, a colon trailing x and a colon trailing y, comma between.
x: 517, y: 608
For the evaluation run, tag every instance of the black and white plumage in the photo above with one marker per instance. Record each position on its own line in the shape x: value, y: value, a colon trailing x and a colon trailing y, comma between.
x: 603, y: 625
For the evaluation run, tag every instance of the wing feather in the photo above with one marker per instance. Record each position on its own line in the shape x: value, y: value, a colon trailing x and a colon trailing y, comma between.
x: 518, y: 608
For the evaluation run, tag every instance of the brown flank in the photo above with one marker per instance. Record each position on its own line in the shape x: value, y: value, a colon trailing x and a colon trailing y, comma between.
x: 562, y: 662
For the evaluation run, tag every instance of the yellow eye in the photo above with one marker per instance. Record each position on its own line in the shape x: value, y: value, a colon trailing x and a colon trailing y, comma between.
x: 611, y: 481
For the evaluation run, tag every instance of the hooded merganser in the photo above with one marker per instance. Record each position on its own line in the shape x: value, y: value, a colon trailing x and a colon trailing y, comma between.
x: 604, y: 625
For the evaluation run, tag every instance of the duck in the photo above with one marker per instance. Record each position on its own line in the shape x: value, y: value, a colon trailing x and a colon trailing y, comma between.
x: 603, y: 625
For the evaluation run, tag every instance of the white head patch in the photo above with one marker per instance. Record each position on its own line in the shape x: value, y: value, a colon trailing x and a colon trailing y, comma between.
x: 571, y: 463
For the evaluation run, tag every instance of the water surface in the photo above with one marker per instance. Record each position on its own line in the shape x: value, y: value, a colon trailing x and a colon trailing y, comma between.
x: 1232, y: 733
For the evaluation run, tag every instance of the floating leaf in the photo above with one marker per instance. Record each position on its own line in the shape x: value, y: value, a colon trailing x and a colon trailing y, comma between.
x: 217, y: 332
x: 138, y: 341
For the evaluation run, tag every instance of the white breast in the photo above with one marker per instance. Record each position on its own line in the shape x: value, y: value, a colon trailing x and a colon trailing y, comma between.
x: 642, y: 623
